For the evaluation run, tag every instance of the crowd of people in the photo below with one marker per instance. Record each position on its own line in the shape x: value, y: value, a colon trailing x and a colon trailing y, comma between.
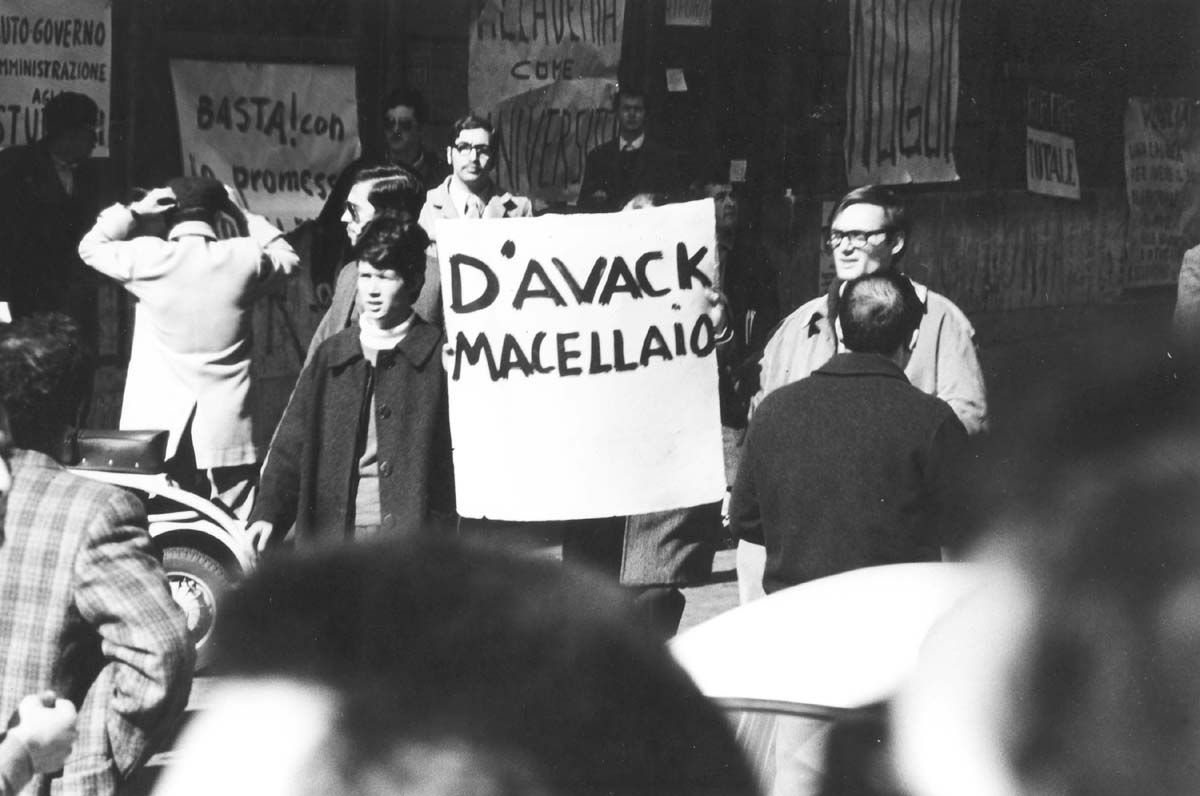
x: 387, y: 651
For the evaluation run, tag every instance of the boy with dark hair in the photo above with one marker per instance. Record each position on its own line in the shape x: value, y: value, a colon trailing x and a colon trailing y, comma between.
x: 364, y: 445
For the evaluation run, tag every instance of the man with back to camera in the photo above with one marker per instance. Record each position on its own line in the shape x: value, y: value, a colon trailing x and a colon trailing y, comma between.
x: 852, y: 466
x: 469, y: 192
x: 87, y: 610
x: 630, y: 164
x: 189, y: 369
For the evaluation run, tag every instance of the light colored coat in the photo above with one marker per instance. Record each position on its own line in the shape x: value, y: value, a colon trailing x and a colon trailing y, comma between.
x: 192, y: 334
x: 943, y: 363
x: 87, y: 612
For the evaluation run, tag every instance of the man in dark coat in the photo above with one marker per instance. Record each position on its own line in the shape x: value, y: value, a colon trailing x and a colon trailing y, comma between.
x: 630, y: 164
x: 852, y: 466
x: 50, y: 193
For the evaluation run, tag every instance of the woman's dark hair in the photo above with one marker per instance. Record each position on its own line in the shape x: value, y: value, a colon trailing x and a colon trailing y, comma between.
x: 45, y: 379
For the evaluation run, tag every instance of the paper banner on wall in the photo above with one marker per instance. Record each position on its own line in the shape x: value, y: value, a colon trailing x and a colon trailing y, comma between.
x: 689, y: 13
x: 47, y: 48
x: 1162, y: 183
x: 278, y: 133
x: 536, y: 60
x: 902, y: 91
x: 583, y: 379
x: 1051, y: 167
x: 543, y: 136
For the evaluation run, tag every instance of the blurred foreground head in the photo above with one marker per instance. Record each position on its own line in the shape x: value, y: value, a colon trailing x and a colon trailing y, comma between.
x: 425, y: 668
x: 1075, y: 672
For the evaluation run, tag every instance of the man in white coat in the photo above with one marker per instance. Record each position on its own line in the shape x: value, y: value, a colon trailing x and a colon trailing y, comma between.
x: 189, y: 369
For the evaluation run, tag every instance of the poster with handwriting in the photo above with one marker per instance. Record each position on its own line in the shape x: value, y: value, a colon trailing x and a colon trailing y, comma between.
x: 582, y: 363
x: 544, y: 73
x: 902, y: 91
x: 47, y: 48
x: 278, y: 133
x: 1162, y: 185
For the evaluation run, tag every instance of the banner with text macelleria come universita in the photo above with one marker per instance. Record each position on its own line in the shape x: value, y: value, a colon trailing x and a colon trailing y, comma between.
x: 582, y: 363
x: 46, y: 48
x: 545, y: 74
x: 278, y: 133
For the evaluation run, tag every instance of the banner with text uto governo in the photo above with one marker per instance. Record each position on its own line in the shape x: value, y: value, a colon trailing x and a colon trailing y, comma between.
x: 46, y: 48
x: 544, y: 73
x: 278, y: 133
x: 583, y: 378
x: 902, y: 91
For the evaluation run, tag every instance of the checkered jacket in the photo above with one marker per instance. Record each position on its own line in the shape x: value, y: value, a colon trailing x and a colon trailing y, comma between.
x: 85, y: 610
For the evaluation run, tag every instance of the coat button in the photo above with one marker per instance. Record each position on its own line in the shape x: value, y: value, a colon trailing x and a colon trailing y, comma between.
x: 385, y: 411
x: 385, y: 469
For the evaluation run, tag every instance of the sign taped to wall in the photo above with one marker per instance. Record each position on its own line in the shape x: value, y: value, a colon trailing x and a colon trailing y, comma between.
x: 583, y: 379
x: 902, y: 91
x: 48, y: 48
x: 278, y: 133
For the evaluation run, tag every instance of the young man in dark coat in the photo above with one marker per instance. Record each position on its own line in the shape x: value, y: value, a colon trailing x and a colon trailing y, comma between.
x: 363, y: 448
x: 630, y: 164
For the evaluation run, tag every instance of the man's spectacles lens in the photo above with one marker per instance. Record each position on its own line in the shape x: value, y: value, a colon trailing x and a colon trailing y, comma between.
x: 858, y: 238
x: 482, y: 150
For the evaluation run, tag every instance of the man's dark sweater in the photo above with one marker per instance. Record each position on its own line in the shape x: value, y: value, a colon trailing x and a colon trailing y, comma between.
x: 850, y: 467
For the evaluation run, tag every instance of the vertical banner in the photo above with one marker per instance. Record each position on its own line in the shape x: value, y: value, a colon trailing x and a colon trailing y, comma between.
x: 1051, y: 167
x: 278, y: 133
x: 47, y: 48
x: 902, y: 91
x: 544, y: 72
x: 1162, y: 182
x: 583, y: 379
x: 689, y: 13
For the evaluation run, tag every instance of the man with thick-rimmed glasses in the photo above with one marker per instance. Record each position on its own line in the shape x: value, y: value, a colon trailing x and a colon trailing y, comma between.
x: 868, y: 232
x: 469, y: 192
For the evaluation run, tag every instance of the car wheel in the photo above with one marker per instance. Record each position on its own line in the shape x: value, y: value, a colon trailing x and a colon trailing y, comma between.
x: 198, y: 584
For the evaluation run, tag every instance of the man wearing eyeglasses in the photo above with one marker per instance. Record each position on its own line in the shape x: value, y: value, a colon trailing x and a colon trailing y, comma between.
x: 469, y: 192
x: 868, y: 233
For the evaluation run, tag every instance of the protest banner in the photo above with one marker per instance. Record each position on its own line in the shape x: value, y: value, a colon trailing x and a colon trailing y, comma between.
x: 48, y: 48
x: 543, y: 136
x: 544, y: 73
x: 1051, y: 167
x: 278, y: 133
x: 582, y: 378
x: 1162, y: 183
x: 902, y: 91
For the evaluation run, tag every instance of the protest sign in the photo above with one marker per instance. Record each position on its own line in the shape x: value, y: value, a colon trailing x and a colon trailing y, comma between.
x: 48, y: 48
x: 543, y: 137
x: 902, y: 91
x: 583, y: 378
x: 1051, y: 167
x: 1162, y: 179
x: 278, y: 133
x: 544, y: 73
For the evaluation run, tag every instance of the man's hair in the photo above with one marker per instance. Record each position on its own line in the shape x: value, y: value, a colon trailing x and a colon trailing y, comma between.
x: 408, y: 97
x: 45, y: 378
x: 471, y: 122
x: 394, y: 189
x: 398, y: 244
x: 68, y: 110
x: 429, y: 645
x: 713, y: 174
x: 878, y: 312
x: 896, y: 217
x: 628, y: 91
x: 196, y: 199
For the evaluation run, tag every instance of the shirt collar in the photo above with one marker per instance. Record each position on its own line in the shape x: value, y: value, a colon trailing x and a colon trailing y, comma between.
x: 460, y: 196
x: 199, y: 228
x: 634, y: 145
x: 854, y: 363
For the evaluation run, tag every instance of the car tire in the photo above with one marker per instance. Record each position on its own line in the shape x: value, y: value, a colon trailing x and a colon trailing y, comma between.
x: 198, y: 584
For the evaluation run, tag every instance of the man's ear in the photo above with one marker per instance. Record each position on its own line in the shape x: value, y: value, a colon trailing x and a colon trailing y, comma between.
x: 897, y: 244
x: 449, y: 158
